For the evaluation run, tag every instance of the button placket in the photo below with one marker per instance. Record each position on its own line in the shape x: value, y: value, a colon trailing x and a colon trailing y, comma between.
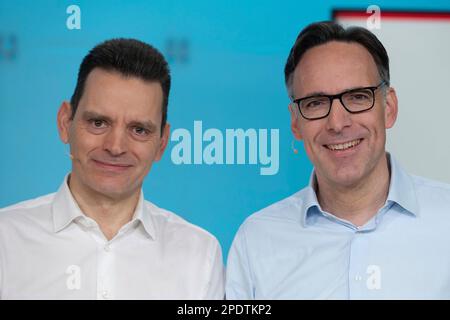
x: 358, y: 250
x: 105, y: 270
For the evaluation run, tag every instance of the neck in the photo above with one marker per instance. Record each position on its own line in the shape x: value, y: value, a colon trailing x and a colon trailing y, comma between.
x: 360, y: 202
x: 110, y: 213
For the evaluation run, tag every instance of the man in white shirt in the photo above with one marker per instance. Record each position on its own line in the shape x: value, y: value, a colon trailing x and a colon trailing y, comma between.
x: 97, y: 238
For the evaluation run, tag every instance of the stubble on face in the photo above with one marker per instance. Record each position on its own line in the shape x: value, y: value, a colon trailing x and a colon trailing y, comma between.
x: 330, y: 69
x: 115, y: 134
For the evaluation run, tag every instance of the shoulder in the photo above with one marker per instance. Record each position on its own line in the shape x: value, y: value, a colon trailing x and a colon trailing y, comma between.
x: 172, y: 226
x: 422, y: 182
x: 433, y: 199
x: 25, y: 220
x: 428, y: 190
x: 285, y: 211
x: 26, y: 210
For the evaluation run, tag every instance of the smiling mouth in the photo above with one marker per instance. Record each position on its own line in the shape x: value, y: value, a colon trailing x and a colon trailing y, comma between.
x: 112, y: 165
x: 343, y: 146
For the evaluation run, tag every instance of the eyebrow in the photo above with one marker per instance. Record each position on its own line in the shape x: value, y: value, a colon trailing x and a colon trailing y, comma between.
x: 92, y: 114
x: 322, y: 93
x: 95, y: 115
x: 144, y: 124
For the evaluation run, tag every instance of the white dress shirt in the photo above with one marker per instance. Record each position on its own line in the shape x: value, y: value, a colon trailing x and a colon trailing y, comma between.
x: 50, y: 250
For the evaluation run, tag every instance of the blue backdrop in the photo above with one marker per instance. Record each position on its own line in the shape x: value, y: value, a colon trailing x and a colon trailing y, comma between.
x: 227, y: 62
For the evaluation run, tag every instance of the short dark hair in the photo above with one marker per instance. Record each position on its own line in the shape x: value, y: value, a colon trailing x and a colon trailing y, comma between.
x: 129, y: 57
x: 322, y: 32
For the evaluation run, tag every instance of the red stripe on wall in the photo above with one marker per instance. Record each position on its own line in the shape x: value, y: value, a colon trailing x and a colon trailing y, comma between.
x: 394, y: 15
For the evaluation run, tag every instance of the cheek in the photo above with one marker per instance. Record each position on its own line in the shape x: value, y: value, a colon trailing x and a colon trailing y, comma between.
x: 309, y: 133
x: 147, y: 152
x: 375, y: 127
x: 76, y: 142
x: 379, y: 124
x: 82, y: 139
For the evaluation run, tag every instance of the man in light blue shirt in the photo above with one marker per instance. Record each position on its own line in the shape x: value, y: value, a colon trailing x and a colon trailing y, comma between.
x: 363, y: 228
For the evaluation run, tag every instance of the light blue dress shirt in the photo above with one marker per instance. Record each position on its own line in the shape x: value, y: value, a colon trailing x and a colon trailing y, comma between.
x: 294, y: 250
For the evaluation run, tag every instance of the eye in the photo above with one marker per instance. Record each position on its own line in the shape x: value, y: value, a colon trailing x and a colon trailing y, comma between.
x: 359, y: 96
x: 315, y: 103
x: 140, y: 131
x: 97, y: 123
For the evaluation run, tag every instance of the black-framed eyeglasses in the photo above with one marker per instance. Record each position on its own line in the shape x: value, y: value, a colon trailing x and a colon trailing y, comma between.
x: 354, y: 101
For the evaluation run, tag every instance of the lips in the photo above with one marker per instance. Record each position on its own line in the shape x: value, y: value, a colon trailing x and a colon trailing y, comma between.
x: 112, y: 166
x: 343, y: 145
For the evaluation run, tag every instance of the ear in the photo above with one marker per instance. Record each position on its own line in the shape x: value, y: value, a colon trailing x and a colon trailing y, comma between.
x: 64, y: 121
x: 391, y: 109
x: 163, y: 142
x: 295, y: 120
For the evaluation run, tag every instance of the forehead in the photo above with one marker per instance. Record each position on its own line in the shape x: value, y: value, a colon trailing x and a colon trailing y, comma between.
x: 334, y: 67
x: 115, y: 95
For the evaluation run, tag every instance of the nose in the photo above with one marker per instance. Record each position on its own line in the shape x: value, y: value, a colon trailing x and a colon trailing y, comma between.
x: 339, y: 118
x: 115, y: 142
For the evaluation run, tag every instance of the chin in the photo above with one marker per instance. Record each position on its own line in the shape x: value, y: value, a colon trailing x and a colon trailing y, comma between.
x: 110, y: 187
x: 348, y: 179
x: 114, y: 192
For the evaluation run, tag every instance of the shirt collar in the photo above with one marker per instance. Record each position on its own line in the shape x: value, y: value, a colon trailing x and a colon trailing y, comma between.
x: 401, y: 188
x: 143, y: 214
x: 310, y: 202
x: 401, y: 192
x: 65, y: 210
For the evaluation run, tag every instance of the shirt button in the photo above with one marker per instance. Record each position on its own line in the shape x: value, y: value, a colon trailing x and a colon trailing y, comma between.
x: 107, y: 248
x: 105, y: 294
